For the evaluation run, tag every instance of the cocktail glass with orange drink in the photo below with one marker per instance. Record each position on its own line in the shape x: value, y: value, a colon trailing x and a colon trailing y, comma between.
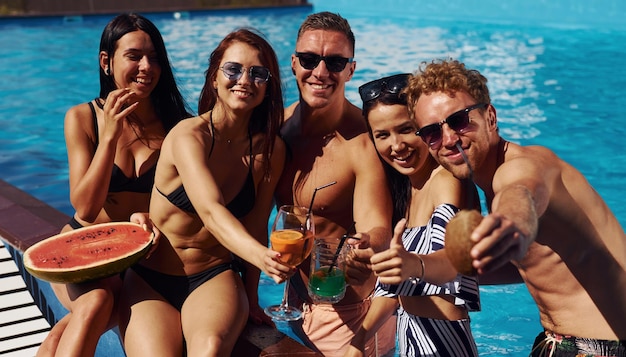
x: 292, y: 236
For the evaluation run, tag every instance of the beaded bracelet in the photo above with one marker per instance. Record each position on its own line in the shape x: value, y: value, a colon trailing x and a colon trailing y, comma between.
x: 415, y: 280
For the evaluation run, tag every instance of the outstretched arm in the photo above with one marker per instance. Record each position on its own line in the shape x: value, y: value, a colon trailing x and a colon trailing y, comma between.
x: 257, y: 222
x: 372, y: 206
x: 188, y: 151
x: 521, y: 195
x: 372, y: 210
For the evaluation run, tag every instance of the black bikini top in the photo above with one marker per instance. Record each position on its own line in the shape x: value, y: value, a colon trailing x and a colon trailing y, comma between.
x: 119, y: 181
x: 240, y: 206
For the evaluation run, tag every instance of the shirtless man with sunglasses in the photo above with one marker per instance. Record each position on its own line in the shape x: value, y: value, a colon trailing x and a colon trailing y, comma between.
x: 328, y: 142
x: 544, y: 217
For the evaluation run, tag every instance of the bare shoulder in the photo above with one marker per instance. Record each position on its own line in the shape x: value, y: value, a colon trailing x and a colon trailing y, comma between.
x: 442, y: 178
x: 78, y: 122
x: 445, y: 188
x: 78, y: 113
x: 189, y: 135
x: 186, y: 128
x: 535, y: 152
x: 529, y: 160
x: 183, y: 145
x: 353, y: 128
x: 356, y: 145
x: 534, y: 167
x: 82, y: 108
x: 290, y: 128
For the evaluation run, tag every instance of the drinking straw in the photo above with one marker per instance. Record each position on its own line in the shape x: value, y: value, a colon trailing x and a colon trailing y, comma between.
x: 315, y: 192
x: 341, y: 242
x: 308, y: 215
x: 471, y: 172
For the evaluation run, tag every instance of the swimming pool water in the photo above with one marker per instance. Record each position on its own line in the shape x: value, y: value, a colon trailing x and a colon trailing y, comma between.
x: 555, y: 81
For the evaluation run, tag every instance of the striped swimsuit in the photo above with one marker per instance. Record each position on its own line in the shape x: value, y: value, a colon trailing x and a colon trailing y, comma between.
x: 419, y: 336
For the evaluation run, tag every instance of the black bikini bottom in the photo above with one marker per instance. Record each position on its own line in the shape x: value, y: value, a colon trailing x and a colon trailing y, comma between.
x: 74, y: 223
x: 176, y: 288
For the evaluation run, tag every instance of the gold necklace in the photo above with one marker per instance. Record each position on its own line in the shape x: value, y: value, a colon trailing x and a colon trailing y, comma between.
x: 213, y: 132
x: 216, y: 133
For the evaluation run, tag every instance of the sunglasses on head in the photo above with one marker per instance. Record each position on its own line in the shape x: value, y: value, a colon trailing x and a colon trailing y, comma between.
x: 392, y: 85
x: 233, y: 71
x: 457, y: 121
x: 310, y: 61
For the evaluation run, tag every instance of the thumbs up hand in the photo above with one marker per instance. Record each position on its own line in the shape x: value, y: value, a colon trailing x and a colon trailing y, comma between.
x: 395, y: 264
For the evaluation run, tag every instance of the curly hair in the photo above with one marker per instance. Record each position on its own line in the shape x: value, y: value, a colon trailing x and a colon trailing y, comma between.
x: 448, y: 76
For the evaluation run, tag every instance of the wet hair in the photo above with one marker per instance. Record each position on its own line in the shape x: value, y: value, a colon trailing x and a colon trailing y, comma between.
x: 399, y: 184
x: 267, y: 118
x: 167, y: 100
x: 329, y: 22
x: 448, y: 76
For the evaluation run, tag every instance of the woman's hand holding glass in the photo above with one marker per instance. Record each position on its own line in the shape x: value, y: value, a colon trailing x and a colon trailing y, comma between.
x: 292, y: 237
x: 276, y: 268
x: 358, y: 269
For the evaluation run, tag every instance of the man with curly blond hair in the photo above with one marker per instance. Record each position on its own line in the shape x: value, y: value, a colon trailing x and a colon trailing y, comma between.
x: 544, y: 216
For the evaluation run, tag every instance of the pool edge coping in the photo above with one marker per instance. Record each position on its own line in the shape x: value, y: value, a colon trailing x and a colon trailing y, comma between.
x: 25, y: 220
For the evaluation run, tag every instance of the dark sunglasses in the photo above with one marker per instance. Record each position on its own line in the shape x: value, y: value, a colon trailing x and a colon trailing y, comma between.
x: 310, y: 61
x: 392, y: 85
x: 233, y: 71
x: 458, y: 121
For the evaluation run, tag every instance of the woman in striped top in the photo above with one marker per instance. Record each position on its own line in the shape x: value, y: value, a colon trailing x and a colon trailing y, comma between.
x: 415, y: 278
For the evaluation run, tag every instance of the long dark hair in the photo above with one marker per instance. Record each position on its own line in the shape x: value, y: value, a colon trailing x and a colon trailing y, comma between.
x: 267, y: 117
x: 167, y: 100
x: 399, y: 184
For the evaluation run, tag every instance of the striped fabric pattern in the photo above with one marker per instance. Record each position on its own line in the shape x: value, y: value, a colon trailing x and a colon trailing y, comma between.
x: 425, y: 240
x: 418, y: 336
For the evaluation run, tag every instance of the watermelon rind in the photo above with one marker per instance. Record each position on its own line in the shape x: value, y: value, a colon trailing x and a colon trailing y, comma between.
x: 93, y: 271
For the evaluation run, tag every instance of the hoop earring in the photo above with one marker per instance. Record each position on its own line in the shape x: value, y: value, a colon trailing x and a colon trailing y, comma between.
x: 107, y: 71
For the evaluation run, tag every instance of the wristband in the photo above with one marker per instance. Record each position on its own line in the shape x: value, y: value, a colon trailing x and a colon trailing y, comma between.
x: 415, y: 280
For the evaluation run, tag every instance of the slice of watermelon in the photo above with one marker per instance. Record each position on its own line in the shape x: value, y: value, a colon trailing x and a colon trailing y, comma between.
x: 88, y: 253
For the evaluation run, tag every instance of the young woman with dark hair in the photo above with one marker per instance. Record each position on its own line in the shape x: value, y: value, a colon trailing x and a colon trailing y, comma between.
x: 113, y: 143
x: 415, y: 277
